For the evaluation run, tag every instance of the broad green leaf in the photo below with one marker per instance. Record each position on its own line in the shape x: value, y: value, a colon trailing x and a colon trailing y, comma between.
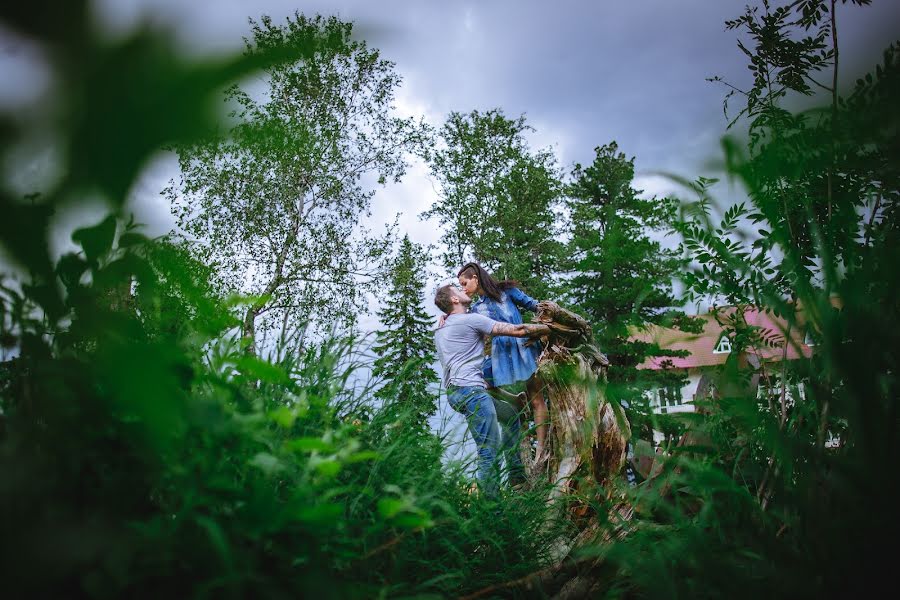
x: 329, y: 467
x: 412, y: 520
x: 389, y: 507
x: 284, y: 416
x: 70, y: 268
x: 217, y: 538
x: 130, y: 238
x: 266, y: 463
x: 321, y: 513
x: 362, y: 456
x: 96, y: 240
x: 253, y: 367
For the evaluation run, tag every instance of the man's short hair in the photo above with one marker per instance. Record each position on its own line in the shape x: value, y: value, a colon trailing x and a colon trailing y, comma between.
x: 443, y: 299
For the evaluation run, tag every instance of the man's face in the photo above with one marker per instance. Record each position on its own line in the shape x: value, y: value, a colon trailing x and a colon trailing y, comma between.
x: 461, y: 295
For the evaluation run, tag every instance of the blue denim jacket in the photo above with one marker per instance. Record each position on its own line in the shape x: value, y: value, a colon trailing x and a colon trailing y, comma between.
x: 510, y: 359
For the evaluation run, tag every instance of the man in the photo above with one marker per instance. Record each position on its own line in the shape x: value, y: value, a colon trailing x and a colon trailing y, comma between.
x: 460, y: 346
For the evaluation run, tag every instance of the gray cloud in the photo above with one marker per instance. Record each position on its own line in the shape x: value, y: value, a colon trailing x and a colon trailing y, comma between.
x: 585, y: 73
x: 633, y: 71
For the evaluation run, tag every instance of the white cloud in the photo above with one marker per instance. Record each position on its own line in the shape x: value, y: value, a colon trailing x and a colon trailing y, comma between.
x: 24, y: 70
x: 145, y: 200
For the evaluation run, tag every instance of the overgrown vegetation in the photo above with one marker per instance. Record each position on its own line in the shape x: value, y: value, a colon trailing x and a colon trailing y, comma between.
x: 145, y: 459
x: 791, y: 495
x: 405, y: 347
x: 622, y: 277
x: 145, y: 452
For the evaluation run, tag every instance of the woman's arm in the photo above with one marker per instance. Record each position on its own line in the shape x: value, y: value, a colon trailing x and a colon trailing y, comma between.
x: 522, y: 330
x: 522, y: 300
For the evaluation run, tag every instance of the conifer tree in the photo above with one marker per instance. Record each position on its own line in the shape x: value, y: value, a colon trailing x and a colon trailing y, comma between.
x: 404, y: 346
x: 623, y: 276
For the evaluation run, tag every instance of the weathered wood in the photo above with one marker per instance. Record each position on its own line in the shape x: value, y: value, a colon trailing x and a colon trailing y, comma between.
x: 588, y: 435
x: 587, y: 442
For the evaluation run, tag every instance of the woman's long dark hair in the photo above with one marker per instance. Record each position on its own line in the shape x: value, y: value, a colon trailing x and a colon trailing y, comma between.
x: 491, y: 287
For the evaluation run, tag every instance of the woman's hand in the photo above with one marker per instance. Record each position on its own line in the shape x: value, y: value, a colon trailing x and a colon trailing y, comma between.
x: 442, y: 321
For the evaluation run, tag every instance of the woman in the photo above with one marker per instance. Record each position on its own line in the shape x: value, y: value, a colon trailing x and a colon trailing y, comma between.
x: 510, y: 359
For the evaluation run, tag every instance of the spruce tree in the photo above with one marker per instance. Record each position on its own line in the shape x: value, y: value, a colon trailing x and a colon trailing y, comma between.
x: 404, y: 346
x: 622, y: 276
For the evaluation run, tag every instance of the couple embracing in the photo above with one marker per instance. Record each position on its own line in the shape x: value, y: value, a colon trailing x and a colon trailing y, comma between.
x: 472, y: 379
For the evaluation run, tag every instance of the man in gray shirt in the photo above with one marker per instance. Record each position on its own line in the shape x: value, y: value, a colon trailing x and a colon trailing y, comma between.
x: 460, y: 349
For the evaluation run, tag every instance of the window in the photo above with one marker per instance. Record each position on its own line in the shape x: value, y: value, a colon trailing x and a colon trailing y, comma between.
x: 723, y: 346
x: 808, y: 339
x: 770, y: 390
x: 668, y: 396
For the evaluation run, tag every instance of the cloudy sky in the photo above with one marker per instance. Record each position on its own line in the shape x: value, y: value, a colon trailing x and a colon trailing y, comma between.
x: 583, y: 72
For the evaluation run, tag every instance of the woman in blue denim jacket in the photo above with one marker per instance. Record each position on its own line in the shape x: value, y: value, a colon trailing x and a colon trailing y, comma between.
x: 510, y: 360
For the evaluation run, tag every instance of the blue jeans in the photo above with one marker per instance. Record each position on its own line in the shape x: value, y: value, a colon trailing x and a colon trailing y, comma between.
x: 484, y: 415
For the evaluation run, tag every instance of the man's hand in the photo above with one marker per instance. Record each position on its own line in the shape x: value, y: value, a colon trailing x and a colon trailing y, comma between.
x: 521, y: 330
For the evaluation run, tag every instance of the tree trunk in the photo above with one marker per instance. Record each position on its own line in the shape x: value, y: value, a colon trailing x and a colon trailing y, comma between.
x: 588, y: 434
x: 249, y: 333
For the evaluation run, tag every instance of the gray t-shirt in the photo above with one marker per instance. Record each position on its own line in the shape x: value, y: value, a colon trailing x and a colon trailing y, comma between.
x: 460, y: 348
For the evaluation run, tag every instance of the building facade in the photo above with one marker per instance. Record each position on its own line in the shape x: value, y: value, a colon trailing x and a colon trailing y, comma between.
x: 712, y: 347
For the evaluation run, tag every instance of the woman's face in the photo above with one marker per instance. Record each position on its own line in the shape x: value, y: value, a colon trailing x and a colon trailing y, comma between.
x: 469, y: 285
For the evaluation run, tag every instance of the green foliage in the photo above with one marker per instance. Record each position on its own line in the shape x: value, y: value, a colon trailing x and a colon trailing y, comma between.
x: 799, y: 158
x: 181, y: 300
x: 123, y: 100
x: 498, y: 200
x: 145, y: 453
x: 786, y: 489
x: 141, y: 460
x: 405, y: 345
x: 277, y: 198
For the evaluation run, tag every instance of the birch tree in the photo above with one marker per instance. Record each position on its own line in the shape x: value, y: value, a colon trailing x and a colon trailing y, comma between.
x: 275, y: 200
x: 498, y: 199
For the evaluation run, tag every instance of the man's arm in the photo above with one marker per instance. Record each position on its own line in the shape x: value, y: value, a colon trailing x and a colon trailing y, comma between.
x: 521, y: 330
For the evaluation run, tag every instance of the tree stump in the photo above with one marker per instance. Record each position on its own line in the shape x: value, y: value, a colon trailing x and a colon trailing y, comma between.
x: 587, y: 444
x: 588, y: 435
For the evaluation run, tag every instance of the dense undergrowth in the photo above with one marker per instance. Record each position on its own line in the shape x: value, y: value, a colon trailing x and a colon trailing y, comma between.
x: 145, y: 453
